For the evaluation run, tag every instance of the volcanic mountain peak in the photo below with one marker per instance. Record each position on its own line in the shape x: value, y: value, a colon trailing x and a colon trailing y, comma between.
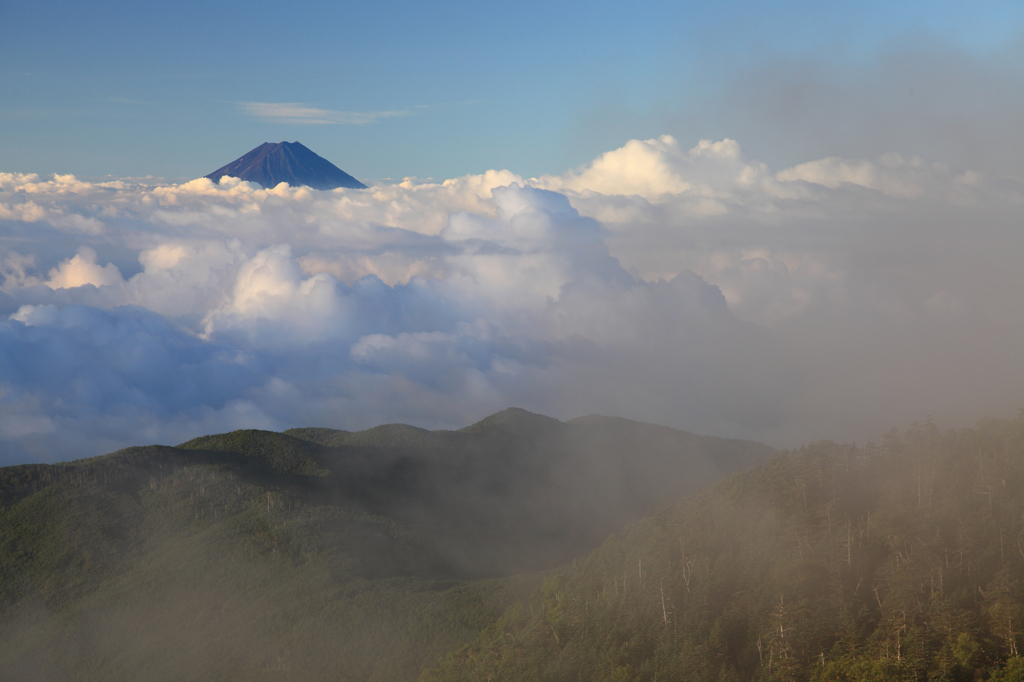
x: 291, y: 162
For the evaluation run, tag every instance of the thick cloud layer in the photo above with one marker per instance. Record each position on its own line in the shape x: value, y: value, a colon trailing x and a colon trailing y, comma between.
x: 690, y: 287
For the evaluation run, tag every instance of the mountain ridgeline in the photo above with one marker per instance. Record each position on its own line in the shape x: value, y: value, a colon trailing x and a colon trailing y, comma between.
x: 316, y: 553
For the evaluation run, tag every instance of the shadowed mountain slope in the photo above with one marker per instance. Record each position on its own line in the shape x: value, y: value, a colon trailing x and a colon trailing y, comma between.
x: 291, y: 162
x: 523, y: 491
x: 317, y: 553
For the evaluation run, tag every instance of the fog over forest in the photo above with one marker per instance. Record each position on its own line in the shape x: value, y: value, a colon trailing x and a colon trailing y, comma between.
x: 676, y: 283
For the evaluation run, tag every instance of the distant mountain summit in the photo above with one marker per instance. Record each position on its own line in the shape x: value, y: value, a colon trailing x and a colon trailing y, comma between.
x: 291, y: 162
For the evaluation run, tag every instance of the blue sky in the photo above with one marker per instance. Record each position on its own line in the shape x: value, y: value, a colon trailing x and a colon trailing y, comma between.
x: 131, y: 89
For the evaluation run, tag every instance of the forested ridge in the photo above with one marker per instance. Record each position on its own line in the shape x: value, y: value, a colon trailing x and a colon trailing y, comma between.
x: 315, y: 554
x: 902, y: 561
x: 321, y: 554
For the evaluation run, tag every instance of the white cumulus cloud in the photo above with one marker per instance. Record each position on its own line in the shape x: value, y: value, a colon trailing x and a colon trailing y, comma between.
x: 82, y: 269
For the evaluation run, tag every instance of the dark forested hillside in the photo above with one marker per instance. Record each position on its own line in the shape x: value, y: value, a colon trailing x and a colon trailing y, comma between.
x: 901, y: 561
x: 522, y: 491
x: 315, y: 554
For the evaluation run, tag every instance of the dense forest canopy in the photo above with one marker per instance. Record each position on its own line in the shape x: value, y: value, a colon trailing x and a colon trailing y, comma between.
x: 316, y: 553
x: 897, y: 561
x: 376, y: 556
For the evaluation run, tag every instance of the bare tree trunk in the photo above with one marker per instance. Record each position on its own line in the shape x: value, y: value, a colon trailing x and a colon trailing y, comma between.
x: 664, y: 613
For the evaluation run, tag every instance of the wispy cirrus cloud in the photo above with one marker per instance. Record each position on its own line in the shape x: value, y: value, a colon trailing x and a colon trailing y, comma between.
x: 295, y: 112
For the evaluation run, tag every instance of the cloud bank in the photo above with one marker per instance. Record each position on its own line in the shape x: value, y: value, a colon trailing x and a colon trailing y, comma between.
x: 688, y: 286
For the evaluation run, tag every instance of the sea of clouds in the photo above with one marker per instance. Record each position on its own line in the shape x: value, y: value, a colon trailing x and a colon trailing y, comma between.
x: 692, y: 287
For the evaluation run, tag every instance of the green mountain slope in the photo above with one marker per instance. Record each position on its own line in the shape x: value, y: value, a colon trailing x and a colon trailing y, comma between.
x: 903, y: 561
x: 315, y: 554
x: 519, y: 491
x: 201, y: 573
